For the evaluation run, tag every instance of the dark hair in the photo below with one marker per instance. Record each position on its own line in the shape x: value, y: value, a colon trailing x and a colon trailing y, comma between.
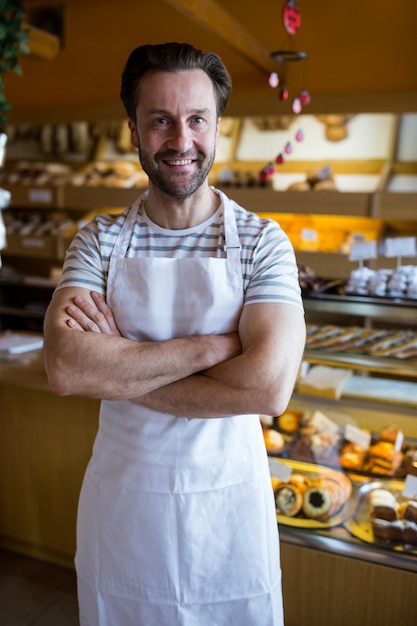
x: 173, y: 57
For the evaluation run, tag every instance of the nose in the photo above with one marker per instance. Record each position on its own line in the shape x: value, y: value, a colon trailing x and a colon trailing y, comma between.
x: 180, y: 137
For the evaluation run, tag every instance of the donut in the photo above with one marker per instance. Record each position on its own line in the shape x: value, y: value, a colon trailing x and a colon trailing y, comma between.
x: 317, y: 503
x: 288, y: 500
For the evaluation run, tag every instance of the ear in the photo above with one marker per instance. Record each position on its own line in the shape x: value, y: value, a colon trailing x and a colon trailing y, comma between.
x: 133, y: 133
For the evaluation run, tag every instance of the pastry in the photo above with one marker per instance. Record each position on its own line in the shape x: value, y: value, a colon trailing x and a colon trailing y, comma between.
x: 275, y: 482
x: 383, y: 505
x: 317, y: 503
x: 289, y: 422
x: 390, y: 433
x: 288, y: 500
x: 410, y: 512
x: 384, y: 459
x: 409, y: 534
x: 301, y: 481
x: 352, y: 456
x: 274, y: 441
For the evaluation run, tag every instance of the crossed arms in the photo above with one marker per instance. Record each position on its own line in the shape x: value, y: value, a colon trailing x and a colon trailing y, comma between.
x: 252, y: 371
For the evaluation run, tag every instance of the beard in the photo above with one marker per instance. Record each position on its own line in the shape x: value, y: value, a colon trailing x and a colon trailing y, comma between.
x: 181, y: 186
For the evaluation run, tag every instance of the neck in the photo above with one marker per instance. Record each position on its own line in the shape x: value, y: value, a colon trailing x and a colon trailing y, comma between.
x: 167, y: 212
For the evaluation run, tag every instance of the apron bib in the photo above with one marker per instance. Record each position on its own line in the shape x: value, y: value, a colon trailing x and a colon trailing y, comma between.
x: 176, y: 522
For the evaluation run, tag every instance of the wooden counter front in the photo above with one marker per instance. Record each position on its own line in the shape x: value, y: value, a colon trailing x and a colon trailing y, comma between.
x: 46, y: 443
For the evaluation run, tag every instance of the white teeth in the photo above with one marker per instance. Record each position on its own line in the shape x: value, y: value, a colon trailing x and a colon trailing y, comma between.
x: 181, y: 162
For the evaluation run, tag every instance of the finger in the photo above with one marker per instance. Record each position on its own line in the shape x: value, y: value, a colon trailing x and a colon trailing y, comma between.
x: 82, y: 320
x: 73, y: 324
x: 103, y: 307
x: 92, y: 317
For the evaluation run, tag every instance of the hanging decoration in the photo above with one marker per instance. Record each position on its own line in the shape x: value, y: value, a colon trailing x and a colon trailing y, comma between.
x: 291, y: 19
x: 266, y: 173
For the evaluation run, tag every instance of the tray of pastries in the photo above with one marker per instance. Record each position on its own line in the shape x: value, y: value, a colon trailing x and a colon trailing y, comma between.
x: 383, y: 516
x: 302, y: 437
x: 313, y: 496
x: 356, y: 340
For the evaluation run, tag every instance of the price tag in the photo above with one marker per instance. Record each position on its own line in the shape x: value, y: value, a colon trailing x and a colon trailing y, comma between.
x: 43, y: 196
x: 399, y: 441
x: 33, y: 242
x: 279, y: 470
x: 410, y: 487
x: 309, y: 234
x: 400, y: 246
x: 362, y: 250
x: 357, y: 436
x: 324, y: 425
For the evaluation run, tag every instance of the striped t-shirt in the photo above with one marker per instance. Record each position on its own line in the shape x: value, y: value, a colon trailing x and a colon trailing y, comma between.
x: 269, y: 268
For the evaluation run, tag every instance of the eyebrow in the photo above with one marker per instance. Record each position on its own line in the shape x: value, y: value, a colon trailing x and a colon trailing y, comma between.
x: 191, y: 112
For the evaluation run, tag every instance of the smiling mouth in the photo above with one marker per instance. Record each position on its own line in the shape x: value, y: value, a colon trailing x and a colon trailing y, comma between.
x: 180, y: 162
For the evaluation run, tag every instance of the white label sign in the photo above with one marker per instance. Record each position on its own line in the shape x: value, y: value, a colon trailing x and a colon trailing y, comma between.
x: 279, y: 470
x: 324, y: 425
x: 309, y: 234
x: 40, y: 195
x: 363, y: 250
x: 410, y: 487
x: 32, y: 242
x: 400, y: 246
x: 357, y: 436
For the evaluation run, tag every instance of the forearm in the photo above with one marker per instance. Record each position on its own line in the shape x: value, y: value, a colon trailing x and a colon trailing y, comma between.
x: 254, y: 382
x: 105, y: 366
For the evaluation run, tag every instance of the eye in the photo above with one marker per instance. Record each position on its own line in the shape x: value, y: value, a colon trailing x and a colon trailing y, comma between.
x: 197, y: 120
x: 160, y: 121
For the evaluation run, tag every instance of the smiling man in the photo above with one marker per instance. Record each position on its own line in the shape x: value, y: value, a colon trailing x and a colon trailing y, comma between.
x: 183, y: 316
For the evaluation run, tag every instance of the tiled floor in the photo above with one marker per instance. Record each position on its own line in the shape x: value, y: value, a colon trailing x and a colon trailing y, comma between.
x: 34, y: 593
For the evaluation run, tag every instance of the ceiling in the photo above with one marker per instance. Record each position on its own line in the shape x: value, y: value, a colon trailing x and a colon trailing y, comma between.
x: 361, y: 56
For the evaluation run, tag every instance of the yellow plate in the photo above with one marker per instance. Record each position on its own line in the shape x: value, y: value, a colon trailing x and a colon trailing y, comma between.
x: 314, y: 471
x: 359, y: 524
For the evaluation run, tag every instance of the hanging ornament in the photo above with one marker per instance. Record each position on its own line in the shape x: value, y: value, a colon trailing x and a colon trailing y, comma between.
x: 283, y: 94
x: 270, y: 168
x: 299, y: 135
x: 291, y: 17
x: 273, y: 80
x: 304, y: 97
x: 296, y: 106
x: 288, y: 148
x: 279, y: 159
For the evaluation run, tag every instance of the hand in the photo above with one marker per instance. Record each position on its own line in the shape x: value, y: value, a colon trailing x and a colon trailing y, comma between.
x: 95, y: 318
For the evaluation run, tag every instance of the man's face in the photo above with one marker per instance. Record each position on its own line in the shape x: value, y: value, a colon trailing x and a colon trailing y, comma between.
x: 176, y: 130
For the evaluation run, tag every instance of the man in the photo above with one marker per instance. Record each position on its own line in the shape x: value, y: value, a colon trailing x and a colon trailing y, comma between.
x: 183, y: 315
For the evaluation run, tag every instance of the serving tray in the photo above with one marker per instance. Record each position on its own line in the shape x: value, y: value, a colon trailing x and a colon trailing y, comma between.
x: 359, y: 523
x: 313, y: 471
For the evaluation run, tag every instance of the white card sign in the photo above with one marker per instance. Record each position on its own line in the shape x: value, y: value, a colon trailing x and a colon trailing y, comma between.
x: 357, y: 436
x: 400, y: 246
x: 279, y: 470
x: 363, y: 250
x: 410, y: 487
x: 324, y: 425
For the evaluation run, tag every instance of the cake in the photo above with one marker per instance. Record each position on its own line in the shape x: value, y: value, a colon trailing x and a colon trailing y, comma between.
x: 383, y: 505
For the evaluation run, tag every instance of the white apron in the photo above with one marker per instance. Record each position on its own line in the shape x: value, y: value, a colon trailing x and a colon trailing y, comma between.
x: 176, y: 521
